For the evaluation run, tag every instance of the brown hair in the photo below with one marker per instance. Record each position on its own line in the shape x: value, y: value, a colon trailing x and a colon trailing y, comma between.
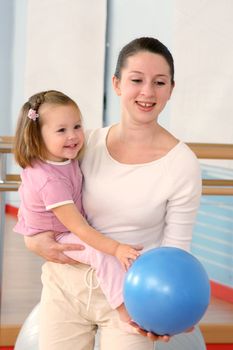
x: 29, y: 145
x: 144, y: 44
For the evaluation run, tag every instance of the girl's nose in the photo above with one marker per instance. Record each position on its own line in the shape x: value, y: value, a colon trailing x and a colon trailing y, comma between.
x: 71, y: 134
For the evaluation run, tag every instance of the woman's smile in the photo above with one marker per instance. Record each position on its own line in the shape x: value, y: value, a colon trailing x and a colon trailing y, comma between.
x: 145, y: 106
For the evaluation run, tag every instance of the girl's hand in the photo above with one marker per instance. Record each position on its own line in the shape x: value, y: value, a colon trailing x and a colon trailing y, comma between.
x: 151, y: 336
x: 45, y: 245
x: 126, y: 254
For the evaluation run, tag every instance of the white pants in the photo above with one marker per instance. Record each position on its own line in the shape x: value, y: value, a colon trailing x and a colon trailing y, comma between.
x: 71, y: 313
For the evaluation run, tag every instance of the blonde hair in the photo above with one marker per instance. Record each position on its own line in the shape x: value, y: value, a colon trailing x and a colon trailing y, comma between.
x: 29, y: 145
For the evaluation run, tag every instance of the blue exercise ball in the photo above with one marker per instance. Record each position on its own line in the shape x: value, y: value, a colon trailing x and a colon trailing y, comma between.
x: 166, y: 291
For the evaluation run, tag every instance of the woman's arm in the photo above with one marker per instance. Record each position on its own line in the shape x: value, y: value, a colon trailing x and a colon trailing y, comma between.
x: 70, y: 217
x: 183, y: 203
x: 45, y: 245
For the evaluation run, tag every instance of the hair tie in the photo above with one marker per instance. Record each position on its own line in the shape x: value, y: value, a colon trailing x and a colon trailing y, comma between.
x: 32, y: 114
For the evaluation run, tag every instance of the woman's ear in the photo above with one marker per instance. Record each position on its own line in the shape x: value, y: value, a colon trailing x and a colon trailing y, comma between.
x: 116, y: 85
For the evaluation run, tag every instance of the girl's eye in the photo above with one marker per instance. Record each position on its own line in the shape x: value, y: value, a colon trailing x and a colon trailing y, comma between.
x: 78, y: 126
x: 61, y: 130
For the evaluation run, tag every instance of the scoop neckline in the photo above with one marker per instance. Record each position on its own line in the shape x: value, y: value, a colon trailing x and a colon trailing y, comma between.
x: 173, y: 149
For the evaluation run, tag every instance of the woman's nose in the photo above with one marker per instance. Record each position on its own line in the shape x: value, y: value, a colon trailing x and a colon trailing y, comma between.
x: 148, y: 90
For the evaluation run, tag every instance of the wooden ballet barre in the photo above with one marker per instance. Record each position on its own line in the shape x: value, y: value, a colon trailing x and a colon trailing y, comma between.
x: 9, y: 186
x: 214, y: 187
x: 212, y: 150
x: 217, y: 187
x: 13, y: 177
x: 217, y: 191
x: 206, y: 190
x: 202, y: 150
x: 6, y: 139
x: 215, y: 182
x: 6, y: 144
x: 8, y: 182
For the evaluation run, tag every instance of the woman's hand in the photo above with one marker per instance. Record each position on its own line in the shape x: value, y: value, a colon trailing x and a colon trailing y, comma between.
x: 151, y: 336
x: 126, y: 253
x: 45, y: 245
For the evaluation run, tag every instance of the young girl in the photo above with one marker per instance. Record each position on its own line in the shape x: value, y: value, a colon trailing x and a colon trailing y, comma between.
x: 48, y: 142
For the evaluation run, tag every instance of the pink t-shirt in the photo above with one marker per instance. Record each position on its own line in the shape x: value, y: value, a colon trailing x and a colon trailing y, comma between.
x: 44, y: 186
x: 48, y: 185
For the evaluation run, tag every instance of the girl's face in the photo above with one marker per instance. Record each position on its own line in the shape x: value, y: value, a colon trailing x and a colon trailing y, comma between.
x: 62, y: 131
x: 144, y: 87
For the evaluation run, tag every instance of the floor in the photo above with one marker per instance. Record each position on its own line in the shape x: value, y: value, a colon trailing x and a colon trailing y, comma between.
x: 21, y: 285
x: 219, y: 312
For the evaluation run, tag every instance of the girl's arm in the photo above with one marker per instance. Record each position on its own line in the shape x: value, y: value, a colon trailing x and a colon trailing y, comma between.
x: 70, y: 217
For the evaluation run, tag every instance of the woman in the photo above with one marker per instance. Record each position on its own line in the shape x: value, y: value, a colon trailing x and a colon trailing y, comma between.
x: 142, y: 186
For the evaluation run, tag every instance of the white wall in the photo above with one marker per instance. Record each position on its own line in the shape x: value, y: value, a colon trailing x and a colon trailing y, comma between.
x: 18, y: 59
x: 202, y: 109
x: 6, y: 43
x: 66, y: 51
x: 199, y: 34
x: 55, y: 44
x: 127, y: 20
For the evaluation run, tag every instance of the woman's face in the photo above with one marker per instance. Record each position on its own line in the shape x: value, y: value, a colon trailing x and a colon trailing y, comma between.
x: 144, y: 87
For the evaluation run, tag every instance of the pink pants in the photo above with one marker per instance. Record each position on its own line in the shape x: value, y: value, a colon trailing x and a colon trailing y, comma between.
x: 109, y: 271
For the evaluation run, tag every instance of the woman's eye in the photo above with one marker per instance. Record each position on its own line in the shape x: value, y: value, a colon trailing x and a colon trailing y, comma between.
x: 160, y: 83
x: 136, y: 80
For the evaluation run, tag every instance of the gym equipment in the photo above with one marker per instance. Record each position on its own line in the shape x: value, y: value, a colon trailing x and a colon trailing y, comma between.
x: 166, y: 291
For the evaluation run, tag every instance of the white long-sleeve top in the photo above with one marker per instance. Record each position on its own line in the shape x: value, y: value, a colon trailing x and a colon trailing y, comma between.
x: 152, y: 204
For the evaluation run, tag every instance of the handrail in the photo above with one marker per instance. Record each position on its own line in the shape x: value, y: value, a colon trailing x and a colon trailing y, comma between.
x: 221, y: 151
x: 202, y: 151
x: 6, y: 144
x: 8, y: 186
x: 7, y: 139
x: 13, y: 177
x: 217, y: 187
x: 212, y: 150
x: 214, y: 182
